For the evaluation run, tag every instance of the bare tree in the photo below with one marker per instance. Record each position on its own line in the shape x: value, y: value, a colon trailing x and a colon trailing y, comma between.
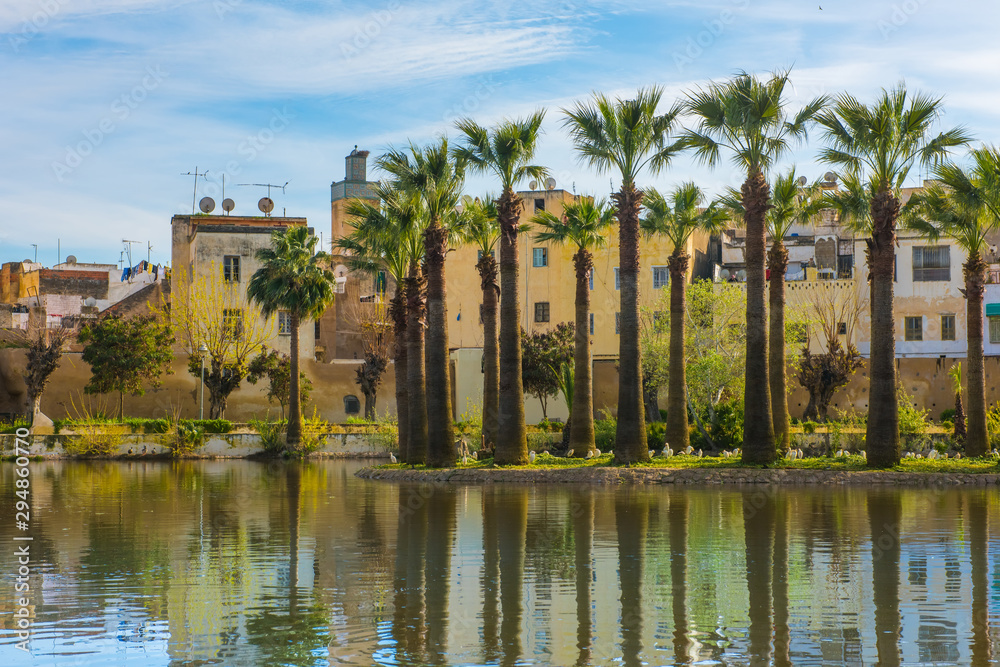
x: 373, y: 321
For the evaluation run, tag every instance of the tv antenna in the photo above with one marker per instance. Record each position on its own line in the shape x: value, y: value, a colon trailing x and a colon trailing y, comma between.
x: 266, y: 185
x: 195, y: 193
x: 128, y: 252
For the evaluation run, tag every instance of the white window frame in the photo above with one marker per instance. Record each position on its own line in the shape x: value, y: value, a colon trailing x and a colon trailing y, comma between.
x: 284, y: 323
x: 618, y: 280
x: 663, y: 273
x: 539, y: 257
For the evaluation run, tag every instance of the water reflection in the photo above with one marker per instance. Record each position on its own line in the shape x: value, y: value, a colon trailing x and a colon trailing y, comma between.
x: 248, y: 563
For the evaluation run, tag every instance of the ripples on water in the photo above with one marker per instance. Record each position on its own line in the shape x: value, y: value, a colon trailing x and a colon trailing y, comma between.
x: 242, y: 563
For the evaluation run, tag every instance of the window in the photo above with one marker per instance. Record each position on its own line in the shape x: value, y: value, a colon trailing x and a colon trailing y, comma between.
x: 842, y: 329
x: 542, y: 311
x: 540, y: 204
x: 352, y: 405
x: 661, y: 277
x: 618, y: 323
x: 591, y: 324
x: 231, y: 268
x: 931, y: 263
x: 540, y: 257
x: 994, y: 329
x: 232, y: 323
x: 284, y: 323
x: 591, y: 279
x: 914, y: 328
x: 618, y: 284
x: 316, y: 330
x: 947, y: 327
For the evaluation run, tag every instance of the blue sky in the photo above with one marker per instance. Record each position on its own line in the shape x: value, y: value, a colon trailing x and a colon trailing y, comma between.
x: 107, y: 102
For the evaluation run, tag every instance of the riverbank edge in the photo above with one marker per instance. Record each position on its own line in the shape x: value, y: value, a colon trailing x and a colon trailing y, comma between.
x: 679, y: 476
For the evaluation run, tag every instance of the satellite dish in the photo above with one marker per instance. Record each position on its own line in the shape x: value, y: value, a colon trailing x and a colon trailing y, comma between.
x: 228, y: 204
x: 207, y: 205
x: 724, y: 274
x: 830, y: 176
x: 90, y: 302
x: 741, y: 275
x: 71, y: 259
x: 340, y: 270
x: 550, y: 183
x: 533, y: 185
x: 266, y: 205
x: 803, y: 180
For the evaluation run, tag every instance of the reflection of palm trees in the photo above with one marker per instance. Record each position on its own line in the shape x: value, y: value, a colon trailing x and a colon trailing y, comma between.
x: 512, y: 526
x: 490, y: 577
x: 583, y: 539
x: 441, y: 509
x: 631, y: 522
x: 885, y: 513
x: 982, y: 649
x: 677, y: 521
x: 758, y: 526
x: 408, y: 621
x: 779, y: 585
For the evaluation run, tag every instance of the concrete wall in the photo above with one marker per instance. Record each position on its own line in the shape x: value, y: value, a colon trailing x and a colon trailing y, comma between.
x: 331, y: 383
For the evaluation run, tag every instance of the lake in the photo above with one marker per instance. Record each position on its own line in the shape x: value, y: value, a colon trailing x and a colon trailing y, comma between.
x: 247, y: 563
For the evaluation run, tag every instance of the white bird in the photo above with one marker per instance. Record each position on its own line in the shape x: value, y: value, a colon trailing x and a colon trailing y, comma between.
x: 531, y: 456
x: 958, y: 455
x: 589, y: 455
x: 799, y: 450
x: 597, y: 452
x: 932, y: 454
x: 918, y: 456
x: 864, y: 455
x: 699, y: 454
x: 668, y: 452
x: 652, y: 453
x: 392, y: 457
x: 689, y: 450
x: 475, y: 455
x: 465, y: 459
x: 569, y: 454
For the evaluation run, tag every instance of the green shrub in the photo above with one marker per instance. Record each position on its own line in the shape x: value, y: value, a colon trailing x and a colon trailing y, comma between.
x: 809, y: 427
x: 948, y: 416
x: 14, y: 424
x: 656, y: 434
x: 189, y: 437
x: 270, y: 433
x: 95, y: 438
x: 912, y: 420
x: 604, y: 434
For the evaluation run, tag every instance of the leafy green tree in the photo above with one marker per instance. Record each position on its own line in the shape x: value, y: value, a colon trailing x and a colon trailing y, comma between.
x: 875, y: 146
x: 747, y: 117
x: 387, y: 236
x: 543, y: 353
x: 480, y: 227
x: 506, y: 152
x: 964, y: 205
x: 434, y: 176
x: 585, y: 224
x: 627, y: 137
x: 125, y: 354
x: 277, y: 368
x: 677, y: 217
x: 292, y: 277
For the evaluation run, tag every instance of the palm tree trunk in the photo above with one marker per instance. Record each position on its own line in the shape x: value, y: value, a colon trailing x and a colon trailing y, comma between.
x: 977, y: 438
x: 631, y: 526
x: 416, y: 449
x: 512, y: 527
x: 777, y: 264
x: 581, y: 418
x: 491, y: 352
x: 758, y: 526
x: 583, y: 541
x: 294, y: 434
x: 882, y: 437
x: 979, y: 552
x: 442, y: 511
x: 512, y: 435
x: 441, y: 451
x: 677, y: 416
x: 758, y: 429
x: 677, y: 518
x: 398, y: 313
x: 885, y: 513
x: 630, y: 435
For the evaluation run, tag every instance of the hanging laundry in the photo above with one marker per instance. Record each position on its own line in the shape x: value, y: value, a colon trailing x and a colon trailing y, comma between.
x: 156, y: 271
x: 126, y: 274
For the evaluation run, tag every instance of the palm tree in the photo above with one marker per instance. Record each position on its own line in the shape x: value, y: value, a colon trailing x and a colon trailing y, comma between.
x: 876, y: 146
x: 747, y: 117
x: 292, y: 278
x: 677, y: 217
x: 479, y: 227
x: 386, y: 237
x: 506, y: 152
x: 437, y: 178
x: 791, y: 203
x: 585, y: 224
x: 626, y: 136
x: 964, y: 205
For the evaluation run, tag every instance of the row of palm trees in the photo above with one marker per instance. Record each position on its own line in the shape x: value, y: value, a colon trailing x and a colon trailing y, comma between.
x: 746, y: 119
